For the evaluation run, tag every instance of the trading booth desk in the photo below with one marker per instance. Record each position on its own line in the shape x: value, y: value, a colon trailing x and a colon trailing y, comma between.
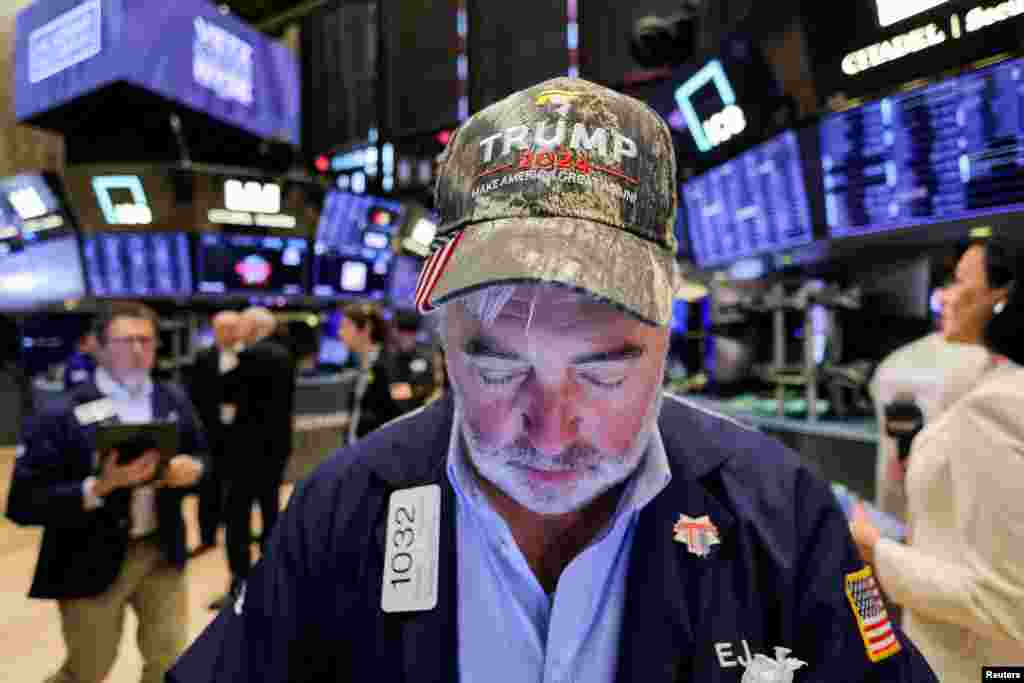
x: 321, y: 420
x: 843, y: 449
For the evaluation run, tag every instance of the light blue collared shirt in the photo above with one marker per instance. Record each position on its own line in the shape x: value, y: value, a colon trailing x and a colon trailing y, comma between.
x: 131, y: 407
x: 509, y: 628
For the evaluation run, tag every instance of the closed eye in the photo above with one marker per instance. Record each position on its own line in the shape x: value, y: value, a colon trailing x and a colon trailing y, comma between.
x: 497, y: 378
x: 604, y: 383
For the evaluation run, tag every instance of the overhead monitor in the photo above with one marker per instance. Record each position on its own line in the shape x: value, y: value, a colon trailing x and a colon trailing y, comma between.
x: 352, y: 273
x: 243, y: 201
x: 232, y: 264
x: 138, y: 264
x: 132, y: 197
x: 754, y: 203
x: 716, y: 104
x: 943, y: 153
x: 347, y: 219
x: 186, y: 52
x: 40, y: 259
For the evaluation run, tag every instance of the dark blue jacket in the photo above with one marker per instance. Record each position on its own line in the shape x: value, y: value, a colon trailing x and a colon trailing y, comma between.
x: 311, y: 609
x: 79, y: 369
x: 82, y: 552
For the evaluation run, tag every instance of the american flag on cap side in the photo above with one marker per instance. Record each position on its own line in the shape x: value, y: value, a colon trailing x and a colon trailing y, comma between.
x: 872, y: 618
x: 441, y: 252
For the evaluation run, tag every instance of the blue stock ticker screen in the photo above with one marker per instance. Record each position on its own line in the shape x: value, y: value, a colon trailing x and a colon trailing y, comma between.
x: 754, y: 203
x: 947, y: 152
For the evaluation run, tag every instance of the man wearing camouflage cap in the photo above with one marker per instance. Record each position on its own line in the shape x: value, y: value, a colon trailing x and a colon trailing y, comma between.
x: 558, y: 518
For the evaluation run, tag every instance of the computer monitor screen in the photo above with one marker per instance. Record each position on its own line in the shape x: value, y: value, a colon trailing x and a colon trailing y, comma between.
x: 136, y: 264
x: 40, y: 262
x: 357, y: 273
x: 942, y: 153
x: 247, y: 264
x: 754, y: 203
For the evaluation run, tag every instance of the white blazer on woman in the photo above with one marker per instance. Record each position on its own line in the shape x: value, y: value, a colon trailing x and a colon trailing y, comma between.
x: 961, y: 582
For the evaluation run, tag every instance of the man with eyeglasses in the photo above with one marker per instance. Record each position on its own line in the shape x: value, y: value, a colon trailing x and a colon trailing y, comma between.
x: 114, y: 534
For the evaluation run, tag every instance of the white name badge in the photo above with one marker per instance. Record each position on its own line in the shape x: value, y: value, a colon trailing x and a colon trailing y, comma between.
x: 413, y: 547
x: 94, y: 411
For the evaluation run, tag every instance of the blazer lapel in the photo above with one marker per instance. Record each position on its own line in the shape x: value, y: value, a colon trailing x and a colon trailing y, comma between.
x: 665, y: 595
x: 429, y: 639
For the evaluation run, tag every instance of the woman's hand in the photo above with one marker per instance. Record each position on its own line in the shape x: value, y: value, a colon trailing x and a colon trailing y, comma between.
x: 865, y: 534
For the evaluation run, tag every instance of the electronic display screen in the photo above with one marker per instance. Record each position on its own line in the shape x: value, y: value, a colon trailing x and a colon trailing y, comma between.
x: 266, y: 205
x: 248, y: 264
x: 755, y: 203
x: 352, y: 272
x: 947, y: 152
x: 352, y: 252
x: 716, y: 105
x: 404, y: 275
x: 346, y: 219
x: 40, y: 261
x: 126, y: 264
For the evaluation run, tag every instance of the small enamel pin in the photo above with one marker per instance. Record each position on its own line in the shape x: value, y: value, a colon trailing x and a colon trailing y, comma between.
x: 698, y: 534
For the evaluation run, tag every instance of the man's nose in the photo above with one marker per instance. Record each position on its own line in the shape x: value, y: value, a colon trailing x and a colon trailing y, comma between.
x: 551, y: 420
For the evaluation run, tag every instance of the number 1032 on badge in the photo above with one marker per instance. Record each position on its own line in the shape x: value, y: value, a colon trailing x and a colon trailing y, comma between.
x: 411, y: 557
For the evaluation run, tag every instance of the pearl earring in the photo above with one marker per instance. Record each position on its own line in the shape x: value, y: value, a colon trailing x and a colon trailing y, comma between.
x: 999, y: 307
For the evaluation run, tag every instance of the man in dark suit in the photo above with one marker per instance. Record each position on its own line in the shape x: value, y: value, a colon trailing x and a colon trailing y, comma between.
x: 113, y: 536
x: 557, y: 517
x: 262, y: 389
x: 206, y: 388
x: 81, y: 364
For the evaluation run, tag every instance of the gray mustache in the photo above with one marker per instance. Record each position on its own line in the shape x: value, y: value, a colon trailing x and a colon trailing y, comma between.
x: 579, y: 457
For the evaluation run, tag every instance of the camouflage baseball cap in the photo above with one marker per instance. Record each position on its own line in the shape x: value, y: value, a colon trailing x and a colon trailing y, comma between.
x: 565, y: 182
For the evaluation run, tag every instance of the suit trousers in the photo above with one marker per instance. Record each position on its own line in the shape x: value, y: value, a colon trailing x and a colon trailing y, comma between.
x: 156, y: 590
x: 261, y: 485
x: 212, y: 496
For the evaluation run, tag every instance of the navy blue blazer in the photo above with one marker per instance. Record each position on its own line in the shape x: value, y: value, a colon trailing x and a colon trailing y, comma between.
x: 311, y: 609
x: 82, y: 552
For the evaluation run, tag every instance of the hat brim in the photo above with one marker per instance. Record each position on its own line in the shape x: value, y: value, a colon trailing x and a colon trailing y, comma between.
x: 631, y: 273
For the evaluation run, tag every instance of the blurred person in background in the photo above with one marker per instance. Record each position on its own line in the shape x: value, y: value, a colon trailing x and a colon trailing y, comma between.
x: 961, y: 580
x: 262, y: 392
x: 412, y: 363
x: 304, y: 344
x: 113, y: 536
x: 207, y: 389
x: 365, y: 333
x: 931, y: 373
x: 81, y: 364
x: 10, y: 362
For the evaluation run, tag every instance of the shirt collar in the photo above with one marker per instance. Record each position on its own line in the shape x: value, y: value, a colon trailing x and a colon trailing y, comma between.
x: 111, y: 388
x: 650, y: 479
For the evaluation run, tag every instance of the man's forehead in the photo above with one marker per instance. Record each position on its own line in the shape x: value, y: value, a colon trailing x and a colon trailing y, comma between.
x: 131, y: 321
x: 559, y: 307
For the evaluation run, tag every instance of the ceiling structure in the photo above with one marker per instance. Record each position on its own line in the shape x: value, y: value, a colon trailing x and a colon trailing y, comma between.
x: 271, y: 16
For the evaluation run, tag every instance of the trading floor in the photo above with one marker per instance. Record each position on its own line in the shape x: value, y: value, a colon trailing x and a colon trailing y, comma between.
x: 33, y: 647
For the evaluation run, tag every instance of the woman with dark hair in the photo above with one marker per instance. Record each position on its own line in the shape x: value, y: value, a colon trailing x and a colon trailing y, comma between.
x: 364, y: 331
x: 961, y: 580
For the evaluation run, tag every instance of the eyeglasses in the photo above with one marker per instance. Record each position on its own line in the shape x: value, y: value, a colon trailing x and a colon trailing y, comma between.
x: 125, y: 342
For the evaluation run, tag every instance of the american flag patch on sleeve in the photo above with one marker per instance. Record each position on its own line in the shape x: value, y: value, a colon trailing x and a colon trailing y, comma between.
x: 872, y: 618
